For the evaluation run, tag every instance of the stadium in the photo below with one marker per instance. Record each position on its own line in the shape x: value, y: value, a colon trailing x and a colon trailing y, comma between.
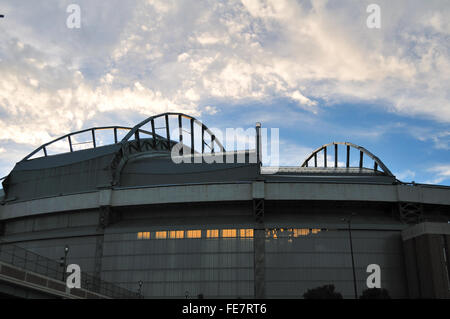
x: 113, y: 201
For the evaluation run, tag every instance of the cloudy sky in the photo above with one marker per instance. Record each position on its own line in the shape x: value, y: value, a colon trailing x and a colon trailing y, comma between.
x: 313, y: 69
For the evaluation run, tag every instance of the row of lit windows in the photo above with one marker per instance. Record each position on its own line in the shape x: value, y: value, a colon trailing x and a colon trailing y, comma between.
x: 195, y: 233
x: 291, y: 232
x: 227, y: 233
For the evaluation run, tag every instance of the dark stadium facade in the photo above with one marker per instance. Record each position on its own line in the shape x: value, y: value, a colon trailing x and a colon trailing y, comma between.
x: 135, y: 218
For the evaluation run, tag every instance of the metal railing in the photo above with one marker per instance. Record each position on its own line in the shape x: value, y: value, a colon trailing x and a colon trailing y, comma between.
x: 27, y: 260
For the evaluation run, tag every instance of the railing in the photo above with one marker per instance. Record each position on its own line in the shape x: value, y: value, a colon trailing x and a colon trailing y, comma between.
x: 30, y: 261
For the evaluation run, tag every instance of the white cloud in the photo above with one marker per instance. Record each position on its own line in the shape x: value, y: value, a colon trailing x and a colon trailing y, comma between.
x: 441, y: 172
x: 147, y: 57
x: 406, y: 175
x: 303, y: 100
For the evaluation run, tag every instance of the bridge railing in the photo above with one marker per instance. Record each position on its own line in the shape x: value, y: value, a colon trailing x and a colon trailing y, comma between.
x: 27, y: 260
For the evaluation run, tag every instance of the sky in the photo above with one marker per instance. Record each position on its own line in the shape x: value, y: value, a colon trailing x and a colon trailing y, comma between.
x: 312, y: 69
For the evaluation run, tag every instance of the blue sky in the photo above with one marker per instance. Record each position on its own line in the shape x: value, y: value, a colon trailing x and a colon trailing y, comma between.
x: 313, y: 69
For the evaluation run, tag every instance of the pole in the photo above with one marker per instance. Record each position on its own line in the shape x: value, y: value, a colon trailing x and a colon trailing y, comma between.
x: 258, y: 143
x: 66, y: 251
x: 353, y: 258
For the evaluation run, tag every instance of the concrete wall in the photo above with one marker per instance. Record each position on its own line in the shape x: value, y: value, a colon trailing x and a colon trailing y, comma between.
x: 223, y: 266
x: 427, y: 258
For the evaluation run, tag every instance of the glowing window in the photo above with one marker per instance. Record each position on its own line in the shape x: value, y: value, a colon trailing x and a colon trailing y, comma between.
x: 161, y: 235
x: 212, y: 233
x: 194, y: 234
x: 176, y: 234
x: 301, y: 232
x: 229, y: 233
x: 246, y: 233
x: 271, y: 233
x: 143, y: 235
x: 315, y: 230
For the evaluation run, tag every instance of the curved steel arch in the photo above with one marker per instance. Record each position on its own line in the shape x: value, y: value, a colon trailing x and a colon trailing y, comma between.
x: 362, y: 151
x: 193, y: 120
x: 43, y: 147
x: 129, y: 147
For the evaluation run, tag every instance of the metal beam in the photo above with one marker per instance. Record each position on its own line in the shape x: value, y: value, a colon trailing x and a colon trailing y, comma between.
x: 335, y: 155
x: 192, y: 136
x: 70, y: 144
x: 180, y: 131
x: 153, y: 133
x: 362, y: 150
x: 167, y: 130
x: 348, y: 156
x: 93, y: 138
x: 361, y: 155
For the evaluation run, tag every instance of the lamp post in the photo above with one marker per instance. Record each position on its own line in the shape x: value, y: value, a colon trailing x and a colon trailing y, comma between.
x: 258, y: 143
x: 63, y: 262
x: 349, y: 223
x: 140, y: 289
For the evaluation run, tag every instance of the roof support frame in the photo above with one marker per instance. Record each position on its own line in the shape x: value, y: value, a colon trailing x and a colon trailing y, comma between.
x: 362, y: 151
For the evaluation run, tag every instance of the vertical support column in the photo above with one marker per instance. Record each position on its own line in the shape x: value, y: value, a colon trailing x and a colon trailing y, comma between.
x: 70, y: 143
x: 192, y: 137
x: 335, y: 155
x: 361, y: 156
x: 105, y: 217
x: 153, y: 133
x: 167, y: 130
x: 258, y: 143
x: 348, y: 156
x: 203, y: 139
x: 138, y: 140
x: 115, y: 135
x: 180, y: 132
x: 2, y: 229
x: 103, y: 220
x: 93, y: 139
x: 259, y: 241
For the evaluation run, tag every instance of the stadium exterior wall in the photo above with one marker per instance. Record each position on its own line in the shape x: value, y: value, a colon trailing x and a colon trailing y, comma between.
x: 306, y: 244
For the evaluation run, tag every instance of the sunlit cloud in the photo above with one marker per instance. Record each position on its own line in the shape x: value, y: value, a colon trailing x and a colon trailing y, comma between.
x: 441, y: 173
x: 145, y: 57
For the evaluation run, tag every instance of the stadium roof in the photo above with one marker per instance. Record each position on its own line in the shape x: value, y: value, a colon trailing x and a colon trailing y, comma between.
x: 117, y: 156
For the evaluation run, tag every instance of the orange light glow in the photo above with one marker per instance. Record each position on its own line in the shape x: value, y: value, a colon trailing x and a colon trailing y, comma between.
x: 176, y: 234
x: 212, y: 233
x: 301, y: 232
x: 229, y: 233
x: 194, y: 234
x: 161, y: 235
x: 246, y: 233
